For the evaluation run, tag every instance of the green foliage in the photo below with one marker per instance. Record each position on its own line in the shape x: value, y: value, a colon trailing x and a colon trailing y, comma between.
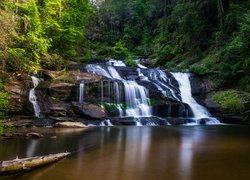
x: 120, y: 51
x: 207, y: 37
x: 34, y: 30
x: 230, y: 101
x: 63, y: 76
x: 4, y: 102
x: 53, y: 61
x: 7, y: 128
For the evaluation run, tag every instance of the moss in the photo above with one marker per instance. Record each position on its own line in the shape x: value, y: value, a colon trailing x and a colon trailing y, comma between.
x: 230, y: 101
x: 110, y: 107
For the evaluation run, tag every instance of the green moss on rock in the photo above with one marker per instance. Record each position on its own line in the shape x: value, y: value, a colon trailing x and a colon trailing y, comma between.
x: 231, y: 101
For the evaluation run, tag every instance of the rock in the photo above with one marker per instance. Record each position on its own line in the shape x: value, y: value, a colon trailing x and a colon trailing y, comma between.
x: 18, y: 88
x: 201, y: 85
x: 72, y: 75
x: 70, y: 125
x: 89, y: 111
x: 34, y: 135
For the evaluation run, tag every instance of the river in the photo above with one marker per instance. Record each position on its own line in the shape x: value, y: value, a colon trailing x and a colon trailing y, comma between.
x: 117, y: 153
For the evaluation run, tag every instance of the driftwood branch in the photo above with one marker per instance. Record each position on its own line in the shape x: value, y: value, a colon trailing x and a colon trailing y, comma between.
x: 18, y: 165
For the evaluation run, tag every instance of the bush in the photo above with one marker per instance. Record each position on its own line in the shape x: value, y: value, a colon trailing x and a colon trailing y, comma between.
x: 130, y: 62
x: 52, y: 61
x: 6, y: 128
x: 230, y: 101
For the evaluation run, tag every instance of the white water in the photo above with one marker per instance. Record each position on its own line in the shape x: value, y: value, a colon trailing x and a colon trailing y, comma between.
x: 186, y: 95
x: 137, y: 122
x: 163, y: 83
x: 136, y: 96
x: 81, y: 93
x: 116, y: 63
x: 33, y: 98
x: 106, y: 123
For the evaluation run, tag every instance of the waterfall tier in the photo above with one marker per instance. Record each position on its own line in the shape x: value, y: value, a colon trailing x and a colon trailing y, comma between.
x: 143, y: 92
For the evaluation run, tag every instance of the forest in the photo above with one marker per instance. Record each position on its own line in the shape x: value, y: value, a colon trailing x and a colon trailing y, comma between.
x: 207, y: 37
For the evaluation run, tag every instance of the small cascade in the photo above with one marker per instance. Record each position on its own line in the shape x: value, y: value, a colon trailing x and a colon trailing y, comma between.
x: 137, y: 122
x: 33, y: 98
x: 81, y: 92
x: 116, y: 63
x: 106, y: 123
x: 163, y: 83
x: 186, y: 96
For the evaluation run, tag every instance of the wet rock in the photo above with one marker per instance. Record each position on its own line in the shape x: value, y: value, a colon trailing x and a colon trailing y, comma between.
x: 201, y: 85
x: 89, y: 111
x: 70, y: 125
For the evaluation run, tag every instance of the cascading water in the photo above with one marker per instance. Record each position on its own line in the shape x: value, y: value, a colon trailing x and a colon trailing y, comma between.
x: 81, y: 92
x: 136, y: 96
x: 185, y: 88
x: 161, y: 81
x: 106, y: 123
x: 33, y: 98
x: 120, y: 89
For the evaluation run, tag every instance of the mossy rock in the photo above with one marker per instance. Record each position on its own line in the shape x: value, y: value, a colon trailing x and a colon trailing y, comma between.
x: 232, y: 101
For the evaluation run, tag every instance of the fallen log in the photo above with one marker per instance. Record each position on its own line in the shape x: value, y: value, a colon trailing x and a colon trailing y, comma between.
x: 19, y: 165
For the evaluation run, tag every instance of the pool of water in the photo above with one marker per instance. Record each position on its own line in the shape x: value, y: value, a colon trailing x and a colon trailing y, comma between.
x: 140, y: 153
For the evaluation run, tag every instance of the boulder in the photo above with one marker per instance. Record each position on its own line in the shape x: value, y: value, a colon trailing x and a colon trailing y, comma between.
x: 201, y: 85
x: 34, y: 135
x: 90, y: 111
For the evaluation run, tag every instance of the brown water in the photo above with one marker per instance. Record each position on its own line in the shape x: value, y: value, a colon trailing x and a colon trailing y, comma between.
x: 139, y: 153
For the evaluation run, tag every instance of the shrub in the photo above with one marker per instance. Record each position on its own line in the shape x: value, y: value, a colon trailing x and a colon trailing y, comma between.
x: 120, y: 51
x: 130, y: 62
x: 230, y: 101
x: 52, y: 61
x: 6, y: 128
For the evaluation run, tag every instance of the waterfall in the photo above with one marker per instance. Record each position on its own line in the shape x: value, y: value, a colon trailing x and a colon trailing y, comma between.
x: 125, y: 97
x: 136, y: 96
x: 33, y: 98
x: 81, y: 92
x: 185, y: 88
x: 163, y: 83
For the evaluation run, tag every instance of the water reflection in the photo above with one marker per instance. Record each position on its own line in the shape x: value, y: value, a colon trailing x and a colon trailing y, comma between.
x: 118, y: 153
